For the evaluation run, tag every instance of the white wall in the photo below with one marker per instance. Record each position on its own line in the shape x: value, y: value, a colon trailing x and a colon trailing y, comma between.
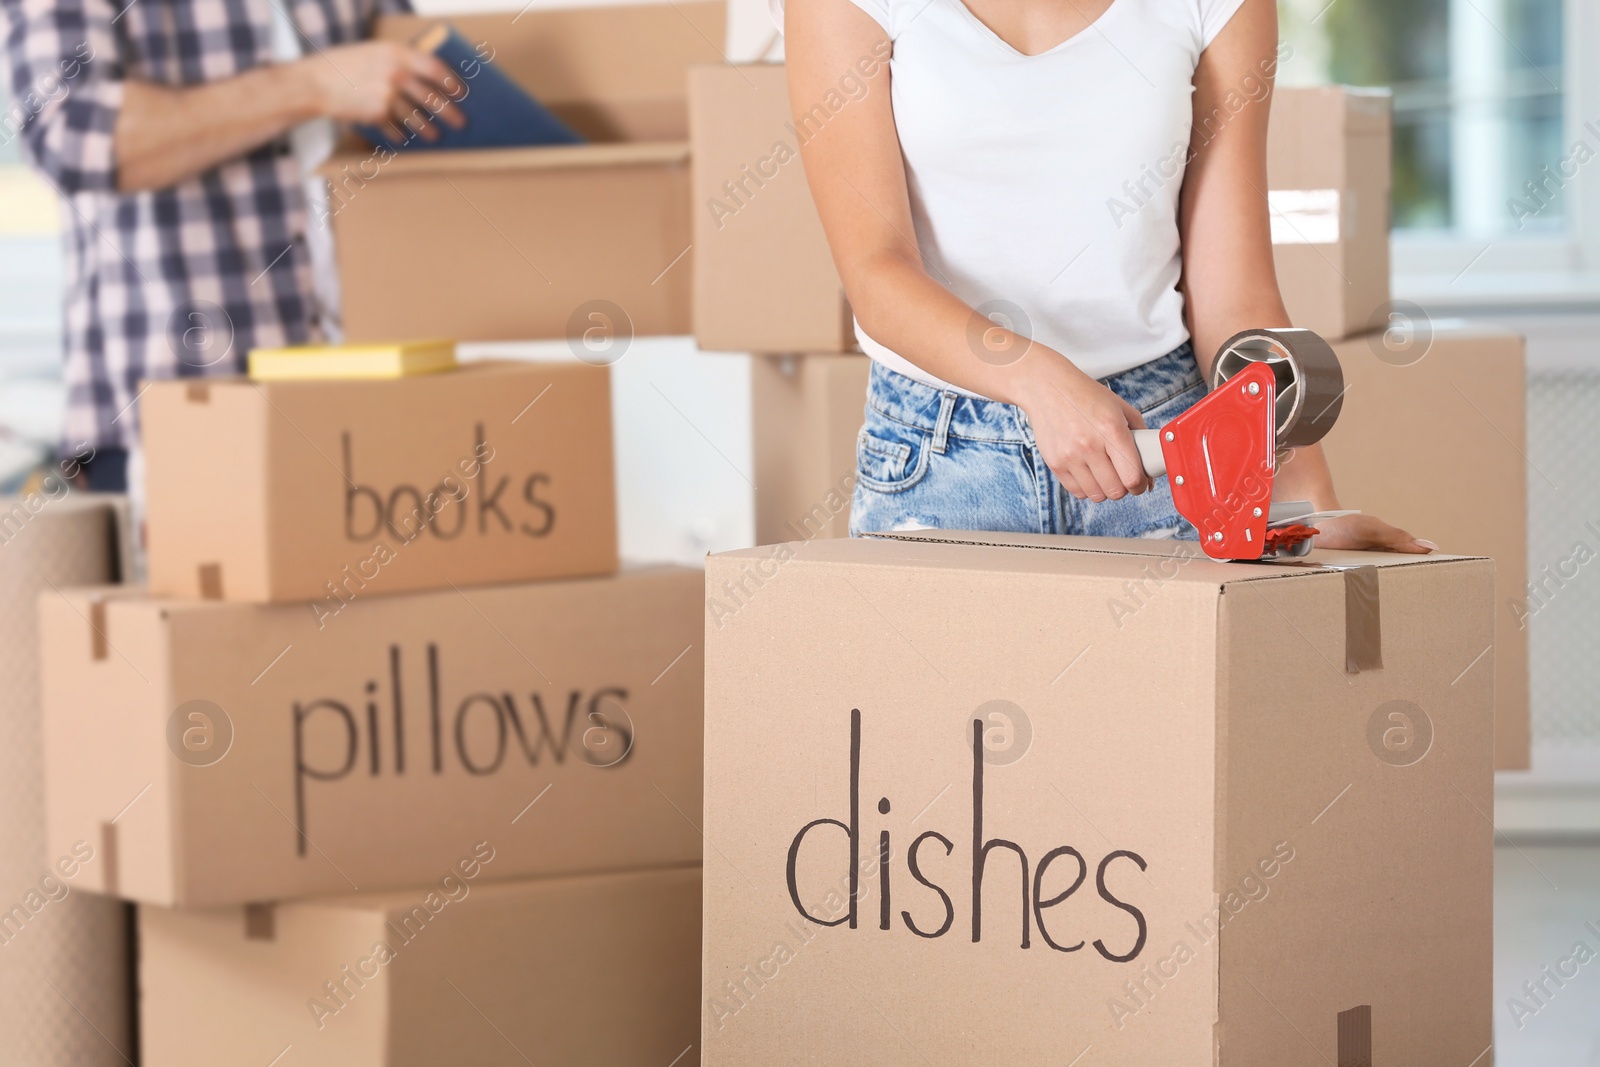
x: 681, y: 421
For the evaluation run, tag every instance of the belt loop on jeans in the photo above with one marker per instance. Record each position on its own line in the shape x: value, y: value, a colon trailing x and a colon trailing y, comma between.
x: 941, y: 428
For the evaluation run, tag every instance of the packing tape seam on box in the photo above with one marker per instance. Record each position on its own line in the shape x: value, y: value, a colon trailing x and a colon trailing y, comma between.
x: 1363, y: 623
x: 1355, y: 1037
x: 260, y: 922
x: 209, y: 578
x: 108, y: 852
x: 889, y: 535
x: 99, y: 643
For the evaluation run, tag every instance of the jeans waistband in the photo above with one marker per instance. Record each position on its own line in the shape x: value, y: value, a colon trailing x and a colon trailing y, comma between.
x: 917, y: 404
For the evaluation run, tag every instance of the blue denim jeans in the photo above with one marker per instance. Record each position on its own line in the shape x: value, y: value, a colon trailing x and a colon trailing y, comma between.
x: 928, y: 458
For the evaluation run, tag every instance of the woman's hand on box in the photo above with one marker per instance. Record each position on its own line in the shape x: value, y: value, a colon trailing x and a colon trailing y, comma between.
x: 389, y: 83
x: 1368, y: 532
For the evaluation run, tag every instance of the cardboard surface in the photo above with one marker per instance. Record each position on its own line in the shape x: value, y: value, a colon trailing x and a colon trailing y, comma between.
x: 1329, y: 177
x: 806, y: 413
x: 1264, y: 847
x: 1433, y: 438
x: 220, y: 753
x: 764, y: 280
x: 499, y: 244
x: 322, y: 491
x: 583, y: 971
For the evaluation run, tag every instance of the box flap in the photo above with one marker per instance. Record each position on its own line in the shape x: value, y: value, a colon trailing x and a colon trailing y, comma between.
x: 612, y: 73
x: 1146, y: 547
x: 198, y: 388
x: 136, y: 599
x: 1134, y: 560
x: 553, y: 157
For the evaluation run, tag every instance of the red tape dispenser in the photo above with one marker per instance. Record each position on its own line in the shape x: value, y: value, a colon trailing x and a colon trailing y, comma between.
x: 1271, y: 391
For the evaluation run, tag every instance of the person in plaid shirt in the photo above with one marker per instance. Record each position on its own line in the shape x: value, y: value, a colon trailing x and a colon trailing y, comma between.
x: 180, y: 135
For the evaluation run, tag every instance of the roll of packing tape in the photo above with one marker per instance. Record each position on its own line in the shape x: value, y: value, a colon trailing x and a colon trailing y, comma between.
x: 1310, y: 382
x: 65, y: 995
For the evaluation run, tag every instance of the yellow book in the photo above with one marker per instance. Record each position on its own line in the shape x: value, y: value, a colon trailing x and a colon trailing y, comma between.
x: 324, y: 362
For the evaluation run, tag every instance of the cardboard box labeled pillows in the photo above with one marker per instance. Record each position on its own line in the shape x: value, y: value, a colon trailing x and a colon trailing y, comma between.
x: 1328, y: 180
x: 323, y: 491
x: 806, y: 415
x: 221, y: 753
x: 1004, y: 802
x: 765, y: 280
x: 502, y: 244
x: 591, y: 971
x: 1433, y: 437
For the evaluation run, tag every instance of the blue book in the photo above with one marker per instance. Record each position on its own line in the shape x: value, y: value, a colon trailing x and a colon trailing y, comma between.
x: 499, y: 112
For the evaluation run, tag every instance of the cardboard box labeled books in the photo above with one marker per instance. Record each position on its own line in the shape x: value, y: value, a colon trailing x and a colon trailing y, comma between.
x: 806, y: 414
x: 591, y: 971
x: 765, y: 280
x: 1011, y: 800
x: 324, y: 491
x: 1433, y: 438
x: 221, y: 753
x: 497, y: 244
x: 1329, y: 176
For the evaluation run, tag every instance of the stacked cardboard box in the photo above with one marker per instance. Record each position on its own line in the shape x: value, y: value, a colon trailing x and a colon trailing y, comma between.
x: 1408, y: 446
x: 346, y: 749
x: 1432, y: 434
x: 806, y: 413
x: 766, y: 284
x: 514, y: 244
x: 991, y: 798
x: 1433, y: 437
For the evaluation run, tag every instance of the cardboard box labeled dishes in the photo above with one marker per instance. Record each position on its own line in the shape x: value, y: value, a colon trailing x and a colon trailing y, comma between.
x: 593, y: 970
x: 1433, y: 438
x: 516, y: 243
x: 1328, y: 179
x: 320, y: 491
x: 221, y: 753
x: 1008, y: 800
x: 806, y: 414
x: 764, y: 280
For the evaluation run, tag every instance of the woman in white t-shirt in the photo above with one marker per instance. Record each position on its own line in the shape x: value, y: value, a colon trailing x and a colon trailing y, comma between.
x: 1036, y: 206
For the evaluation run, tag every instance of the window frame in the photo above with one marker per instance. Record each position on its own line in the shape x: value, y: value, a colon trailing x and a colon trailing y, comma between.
x: 1447, y: 270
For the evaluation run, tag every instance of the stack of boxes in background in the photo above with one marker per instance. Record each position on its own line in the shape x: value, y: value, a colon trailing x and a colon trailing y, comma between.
x: 764, y: 283
x: 1429, y: 404
x: 1432, y: 433
x: 399, y: 767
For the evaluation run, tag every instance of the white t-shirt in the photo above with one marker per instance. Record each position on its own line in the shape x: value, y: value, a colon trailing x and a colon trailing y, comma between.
x: 1049, y: 183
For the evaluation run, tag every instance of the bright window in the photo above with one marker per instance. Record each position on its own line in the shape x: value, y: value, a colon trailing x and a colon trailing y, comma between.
x: 1478, y: 102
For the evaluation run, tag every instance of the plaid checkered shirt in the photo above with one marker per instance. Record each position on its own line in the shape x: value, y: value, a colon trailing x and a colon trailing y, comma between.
x: 175, y: 282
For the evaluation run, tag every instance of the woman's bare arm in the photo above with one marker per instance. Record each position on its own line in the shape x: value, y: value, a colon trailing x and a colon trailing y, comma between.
x: 857, y: 176
x: 1229, y: 280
